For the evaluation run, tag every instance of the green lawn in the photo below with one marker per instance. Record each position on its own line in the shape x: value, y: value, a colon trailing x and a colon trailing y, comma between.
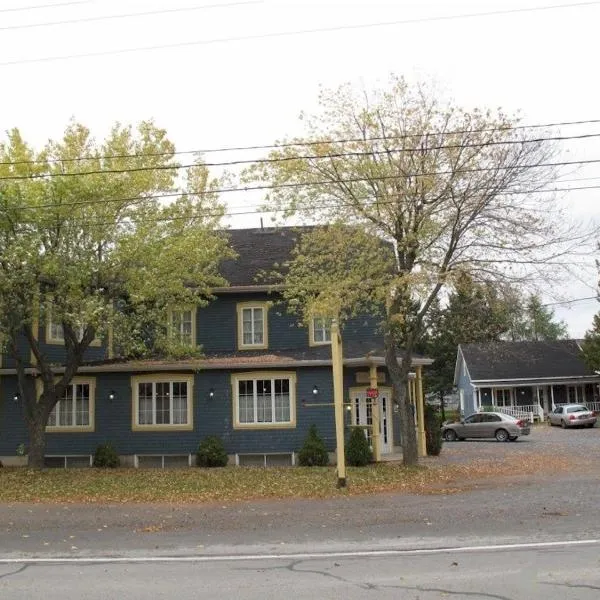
x: 230, y: 484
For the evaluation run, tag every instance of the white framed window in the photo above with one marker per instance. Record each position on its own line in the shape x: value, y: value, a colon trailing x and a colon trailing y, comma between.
x: 75, y: 410
x: 162, y: 402
x: 56, y: 335
x: 319, y: 331
x: 182, y: 326
x: 264, y: 399
x: 502, y: 397
x: 252, y: 325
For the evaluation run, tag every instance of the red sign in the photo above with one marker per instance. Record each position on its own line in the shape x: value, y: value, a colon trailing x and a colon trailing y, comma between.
x: 372, y: 393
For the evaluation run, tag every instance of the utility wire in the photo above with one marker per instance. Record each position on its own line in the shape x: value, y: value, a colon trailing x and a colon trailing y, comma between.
x: 353, y: 154
x: 181, y: 193
x: 297, y: 185
x: 572, y: 301
x: 310, y: 143
x: 224, y: 213
x: 131, y: 15
x: 298, y: 32
x: 38, y: 6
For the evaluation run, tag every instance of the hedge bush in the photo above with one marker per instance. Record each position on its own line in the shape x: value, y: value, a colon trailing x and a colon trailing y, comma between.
x: 211, y: 452
x: 313, y: 453
x: 358, y: 452
x: 106, y: 457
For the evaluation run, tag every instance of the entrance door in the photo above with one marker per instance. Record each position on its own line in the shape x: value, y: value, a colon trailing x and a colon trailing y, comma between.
x: 362, y: 414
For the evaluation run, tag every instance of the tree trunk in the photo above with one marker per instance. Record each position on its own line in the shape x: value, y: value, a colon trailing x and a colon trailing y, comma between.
x: 36, y: 426
x: 442, y: 405
x: 399, y: 376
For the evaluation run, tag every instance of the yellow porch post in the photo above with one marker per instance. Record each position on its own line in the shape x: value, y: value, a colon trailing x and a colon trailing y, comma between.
x: 337, y: 366
x: 375, y: 415
x: 422, y: 444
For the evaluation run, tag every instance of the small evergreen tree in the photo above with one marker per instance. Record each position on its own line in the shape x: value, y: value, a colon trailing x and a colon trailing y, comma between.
x: 591, y: 344
x: 106, y: 457
x: 211, y: 452
x: 433, y: 431
x: 358, y: 452
x: 313, y: 452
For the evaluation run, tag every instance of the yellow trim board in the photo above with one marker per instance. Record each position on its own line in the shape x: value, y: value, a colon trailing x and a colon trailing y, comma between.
x: 162, y: 378
x: 240, y: 307
x: 236, y: 377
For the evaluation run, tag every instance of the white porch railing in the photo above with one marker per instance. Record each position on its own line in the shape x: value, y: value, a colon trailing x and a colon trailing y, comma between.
x: 529, y: 412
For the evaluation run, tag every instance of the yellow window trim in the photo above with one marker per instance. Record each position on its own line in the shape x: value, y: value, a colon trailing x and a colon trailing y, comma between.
x: 91, y: 381
x: 236, y: 377
x: 311, y: 332
x: 240, y: 325
x: 170, y: 332
x: 162, y: 378
x: 50, y: 339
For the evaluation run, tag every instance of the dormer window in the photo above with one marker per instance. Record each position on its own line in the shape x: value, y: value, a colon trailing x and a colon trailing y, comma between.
x: 320, y: 331
x: 252, y: 326
x: 182, y: 326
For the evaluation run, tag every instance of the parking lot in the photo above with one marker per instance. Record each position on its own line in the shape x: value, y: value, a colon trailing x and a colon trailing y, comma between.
x: 582, y: 446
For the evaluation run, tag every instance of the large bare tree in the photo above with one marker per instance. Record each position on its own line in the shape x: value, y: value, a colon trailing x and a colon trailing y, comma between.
x: 451, y: 190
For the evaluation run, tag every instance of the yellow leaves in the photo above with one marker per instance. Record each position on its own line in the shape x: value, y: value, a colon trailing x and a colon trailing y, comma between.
x: 236, y: 484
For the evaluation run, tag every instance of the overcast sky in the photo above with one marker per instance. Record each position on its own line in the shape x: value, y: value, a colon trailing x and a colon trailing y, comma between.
x: 239, y: 73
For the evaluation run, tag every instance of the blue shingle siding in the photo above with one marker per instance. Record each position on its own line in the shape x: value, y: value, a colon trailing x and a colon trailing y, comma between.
x: 212, y: 416
x: 216, y: 325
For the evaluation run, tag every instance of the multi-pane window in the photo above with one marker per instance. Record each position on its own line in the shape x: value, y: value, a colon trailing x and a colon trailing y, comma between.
x: 502, y: 397
x: 163, y: 403
x: 56, y: 332
x: 321, y: 330
x: 253, y: 326
x: 182, y: 326
x: 74, y: 409
x: 264, y: 400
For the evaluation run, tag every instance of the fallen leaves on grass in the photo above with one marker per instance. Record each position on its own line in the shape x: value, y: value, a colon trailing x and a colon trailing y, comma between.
x: 233, y: 484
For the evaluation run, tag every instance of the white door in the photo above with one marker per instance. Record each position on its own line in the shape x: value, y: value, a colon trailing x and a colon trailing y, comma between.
x: 362, y: 414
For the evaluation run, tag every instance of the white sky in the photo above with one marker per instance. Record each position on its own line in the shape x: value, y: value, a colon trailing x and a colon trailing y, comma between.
x: 250, y: 91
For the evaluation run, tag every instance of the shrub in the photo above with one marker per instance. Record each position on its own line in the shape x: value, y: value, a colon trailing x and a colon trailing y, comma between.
x: 313, y: 453
x: 106, y: 457
x: 358, y: 453
x: 211, y: 452
x: 433, y: 431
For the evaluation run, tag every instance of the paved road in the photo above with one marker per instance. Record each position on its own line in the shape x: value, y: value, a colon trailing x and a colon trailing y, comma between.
x: 555, y: 572
x: 210, y: 545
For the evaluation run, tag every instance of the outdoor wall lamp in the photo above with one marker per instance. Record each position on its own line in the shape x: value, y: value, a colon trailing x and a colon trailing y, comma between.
x: 211, y: 393
x: 111, y: 395
x: 315, y: 390
x: 16, y: 396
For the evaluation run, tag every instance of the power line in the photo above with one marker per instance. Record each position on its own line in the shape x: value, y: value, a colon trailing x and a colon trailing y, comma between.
x: 274, y: 35
x: 297, y: 185
x: 38, y: 6
x: 218, y: 212
x: 354, y: 154
x: 310, y: 143
x: 130, y: 15
x: 572, y: 301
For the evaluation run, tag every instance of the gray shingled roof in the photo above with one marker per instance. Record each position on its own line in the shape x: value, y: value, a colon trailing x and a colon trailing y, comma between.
x: 524, y: 360
x: 259, y: 250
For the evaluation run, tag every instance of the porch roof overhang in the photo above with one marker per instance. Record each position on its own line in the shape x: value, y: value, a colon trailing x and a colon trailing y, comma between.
x: 210, y: 364
x: 565, y: 380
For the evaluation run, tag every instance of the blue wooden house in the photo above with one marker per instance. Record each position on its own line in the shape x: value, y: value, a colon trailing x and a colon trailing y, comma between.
x: 528, y: 378
x: 261, y: 382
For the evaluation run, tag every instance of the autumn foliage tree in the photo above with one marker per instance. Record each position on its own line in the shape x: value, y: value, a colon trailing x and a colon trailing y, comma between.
x: 450, y: 190
x: 86, y: 242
